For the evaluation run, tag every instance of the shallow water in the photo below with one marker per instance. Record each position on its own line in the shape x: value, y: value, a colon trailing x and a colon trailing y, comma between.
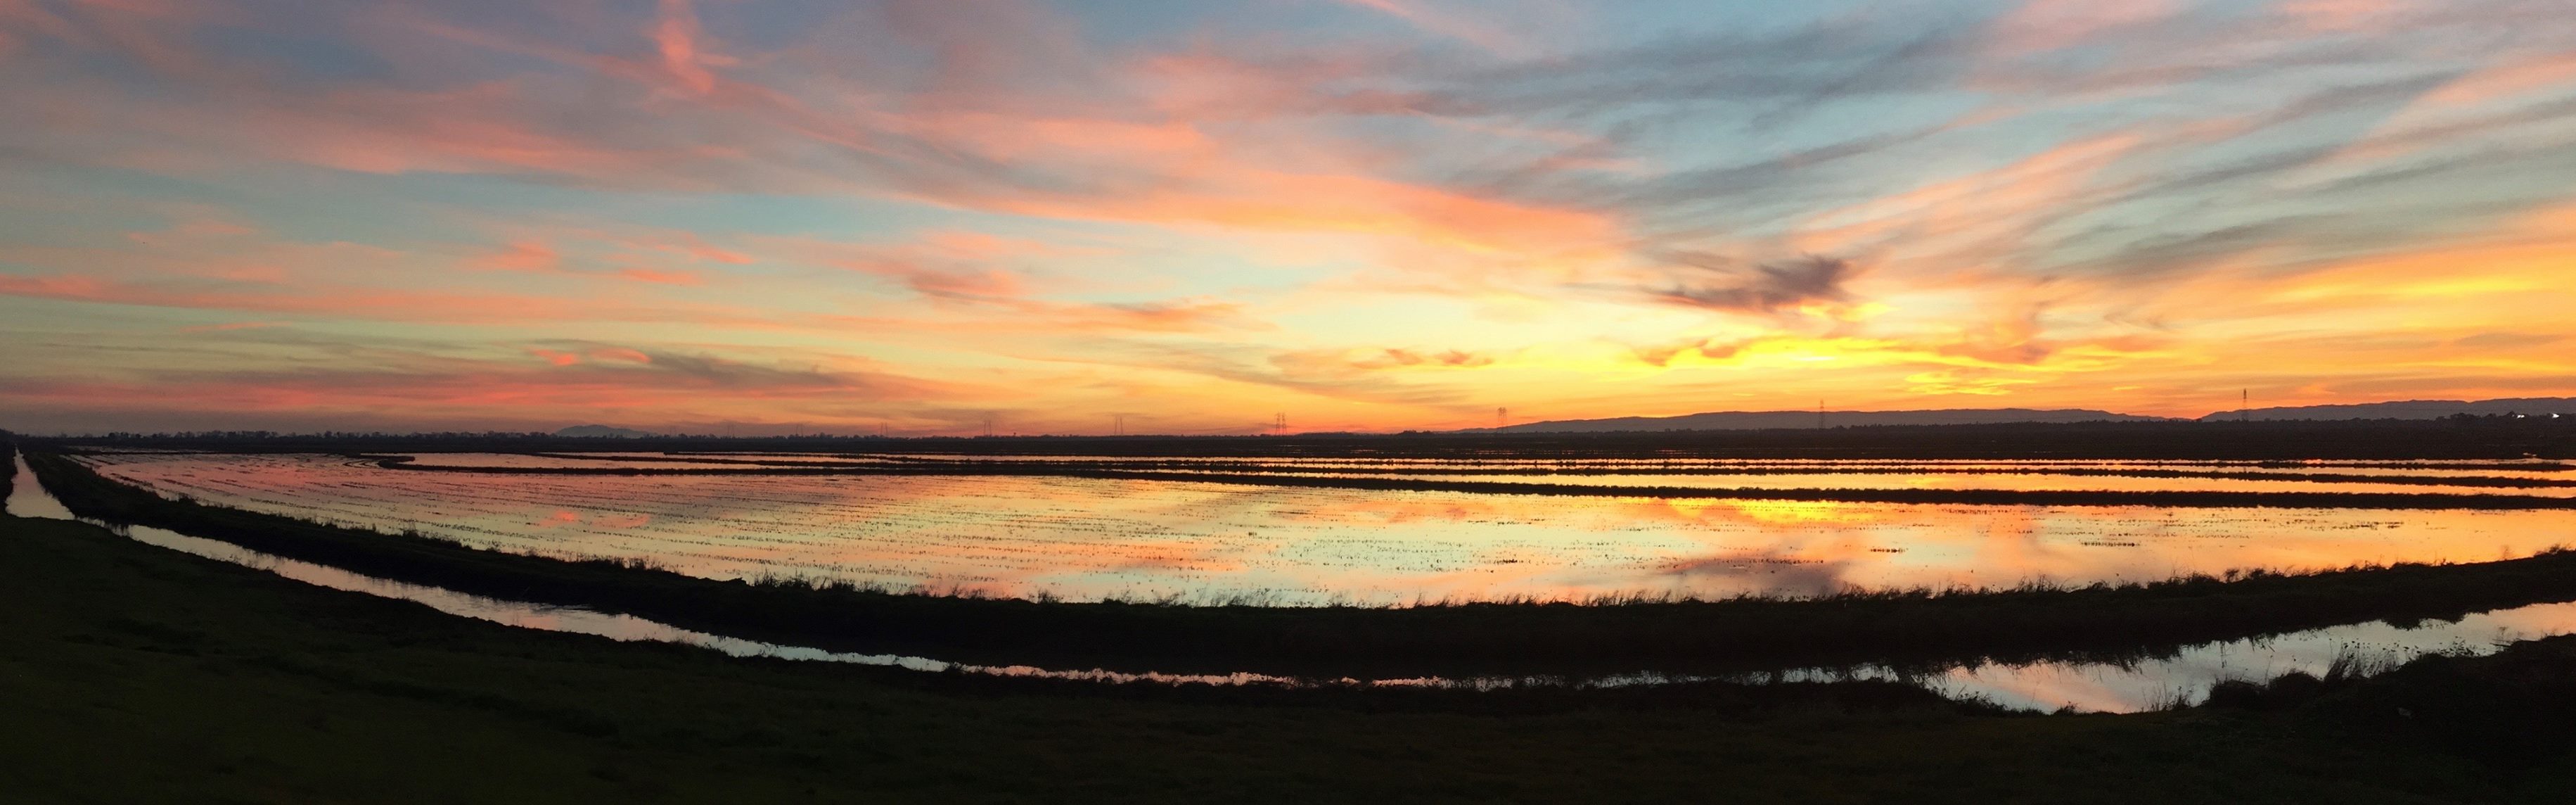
x: 1087, y: 539
x: 28, y: 498
x: 515, y: 461
x: 2187, y: 676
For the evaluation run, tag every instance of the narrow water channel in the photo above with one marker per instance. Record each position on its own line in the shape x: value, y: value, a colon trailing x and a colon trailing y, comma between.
x: 2187, y: 676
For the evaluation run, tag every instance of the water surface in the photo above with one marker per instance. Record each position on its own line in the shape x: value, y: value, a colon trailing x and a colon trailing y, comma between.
x: 1085, y: 539
x: 2185, y: 677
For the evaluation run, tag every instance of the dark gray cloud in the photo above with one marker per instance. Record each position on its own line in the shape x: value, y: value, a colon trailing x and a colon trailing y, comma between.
x: 1712, y: 282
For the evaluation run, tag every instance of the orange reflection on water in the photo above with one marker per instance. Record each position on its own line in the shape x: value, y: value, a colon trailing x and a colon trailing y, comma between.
x: 1086, y: 539
x: 1769, y: 512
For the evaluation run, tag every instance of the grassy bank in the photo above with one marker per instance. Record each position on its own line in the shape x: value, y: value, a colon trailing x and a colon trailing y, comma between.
x: 141, y: 675
x: 1459, y: 640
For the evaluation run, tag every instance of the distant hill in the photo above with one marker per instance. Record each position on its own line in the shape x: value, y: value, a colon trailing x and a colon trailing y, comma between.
x: 604, y: 431
x: 2410, y: 409
x: 1766, y: 420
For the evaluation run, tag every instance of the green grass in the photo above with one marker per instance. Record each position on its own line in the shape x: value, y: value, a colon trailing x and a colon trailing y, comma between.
x: 133, y: 674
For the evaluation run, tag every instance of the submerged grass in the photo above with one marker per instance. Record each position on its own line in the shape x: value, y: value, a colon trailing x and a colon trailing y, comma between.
x: 1917, y: 628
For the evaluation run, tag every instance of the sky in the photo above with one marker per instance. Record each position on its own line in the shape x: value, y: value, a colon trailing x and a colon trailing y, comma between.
x: 920, y: 217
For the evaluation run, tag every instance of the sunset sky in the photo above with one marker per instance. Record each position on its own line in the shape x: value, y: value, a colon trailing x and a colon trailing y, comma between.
x: 909, y: 217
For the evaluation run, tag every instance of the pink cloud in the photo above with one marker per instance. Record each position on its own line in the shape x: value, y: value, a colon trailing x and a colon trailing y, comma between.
x: 1472, y: 27
x: 620, y: 355
x: 526, y: 255
x: 661, y: 277
x: 676, y: 34
x: 2341, y: 15
x: 2044, y: 25
x: 556, y: 358
x: 371, y: 304
x: 2515, y: 77
x: 231, y: 326
x: 1983, y: 215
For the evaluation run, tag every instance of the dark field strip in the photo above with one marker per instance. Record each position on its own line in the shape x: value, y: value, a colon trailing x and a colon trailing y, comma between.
x: 763, y: 462
x: 1884, y: 469
x: 1639, y: 464
x: 1907, y: 629
x: 1973, y: 497
x: 2373, y: 440
x: 1667, y: 465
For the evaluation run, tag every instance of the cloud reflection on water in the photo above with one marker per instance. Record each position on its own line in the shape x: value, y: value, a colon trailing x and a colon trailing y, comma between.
x: 1089, y: 539
x: 2186, y: 676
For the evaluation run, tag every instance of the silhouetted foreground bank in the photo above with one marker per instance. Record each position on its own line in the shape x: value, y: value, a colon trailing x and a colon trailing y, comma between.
x: 137, y: 674
x: 1904, y: 629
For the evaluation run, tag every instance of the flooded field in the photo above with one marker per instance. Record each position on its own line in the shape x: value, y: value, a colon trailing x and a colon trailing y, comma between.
x: 1171, y: 537
x: 2181, y: 677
